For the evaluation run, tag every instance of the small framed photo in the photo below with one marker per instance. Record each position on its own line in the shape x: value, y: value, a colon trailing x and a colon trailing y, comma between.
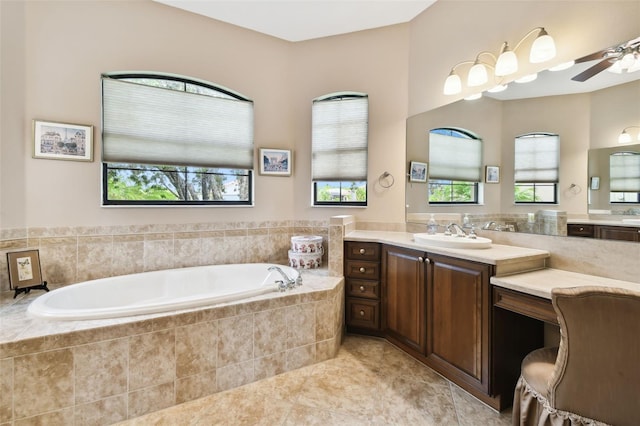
x: 62, y: 141
x: 418, y: 172
x: 492, y: 174
x: 277, y: 162
x: 24, y: 269
x: 595, y: 182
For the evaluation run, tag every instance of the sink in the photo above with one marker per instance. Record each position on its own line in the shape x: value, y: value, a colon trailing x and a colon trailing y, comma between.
x: 633, y: 221
x: 451, y: 241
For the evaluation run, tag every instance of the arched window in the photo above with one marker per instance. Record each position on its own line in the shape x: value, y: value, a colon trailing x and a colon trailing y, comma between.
x: 455, y: 166
x: 536, y: 168
x: 339, y: 145
x: 173, y: 140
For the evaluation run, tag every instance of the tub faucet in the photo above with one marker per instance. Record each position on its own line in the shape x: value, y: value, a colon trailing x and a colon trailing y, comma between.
x: 288, y: 281
x: 459, y: 231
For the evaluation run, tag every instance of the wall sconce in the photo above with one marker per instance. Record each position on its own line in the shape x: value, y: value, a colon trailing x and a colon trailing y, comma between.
x: 625, y: 137
x: 542, y: 49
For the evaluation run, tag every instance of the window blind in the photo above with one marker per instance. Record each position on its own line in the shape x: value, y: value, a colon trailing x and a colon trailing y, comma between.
x: 339, y: 138
x: 537, y: 158
x: 455, y: 158
x: 624, y: 172
x: 150, y: 125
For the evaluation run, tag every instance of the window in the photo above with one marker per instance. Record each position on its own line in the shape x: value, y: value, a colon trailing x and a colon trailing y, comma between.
x: 171, y: 140
x: 624, y: 177
x: 339, y: 142
x: 455, y: 166
x: 537, y: 157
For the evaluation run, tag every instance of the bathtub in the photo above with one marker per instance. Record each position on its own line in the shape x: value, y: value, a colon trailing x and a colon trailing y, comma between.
x: 158, y: 291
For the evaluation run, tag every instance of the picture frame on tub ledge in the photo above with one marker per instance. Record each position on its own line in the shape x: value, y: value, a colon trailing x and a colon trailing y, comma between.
x: 25, y: 273
x: 62, y: 141
x: 275, y: 162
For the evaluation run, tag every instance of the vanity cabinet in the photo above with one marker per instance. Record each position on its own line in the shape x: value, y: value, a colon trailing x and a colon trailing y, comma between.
x: 362, y: 287
x: 403, y: 297
x: 605, y: 232
x: 458, y: 319
x: 580, y: 230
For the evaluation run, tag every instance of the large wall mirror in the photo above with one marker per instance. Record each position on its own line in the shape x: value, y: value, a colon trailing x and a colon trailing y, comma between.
x: 588, y: 116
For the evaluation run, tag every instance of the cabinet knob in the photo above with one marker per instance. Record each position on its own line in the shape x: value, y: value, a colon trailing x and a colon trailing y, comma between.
x: 363, y: 270
x: 362, y: 288
x: 362, y: 251
x: 361, y: 313
x: 581, y: 229
x: 420, y: 259
x: 427, y: 260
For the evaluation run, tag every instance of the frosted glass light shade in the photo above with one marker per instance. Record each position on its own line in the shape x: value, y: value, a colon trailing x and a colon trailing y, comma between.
x: 507, y: 63
x: 453, y: 84
x: 543, y: 48
x: 635, y: 66
x: 615, y: 68
x: 477, y: 75
x: 624, y: 137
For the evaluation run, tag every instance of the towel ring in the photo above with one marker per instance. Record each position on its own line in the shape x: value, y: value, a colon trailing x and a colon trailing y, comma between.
x: 384, y: 176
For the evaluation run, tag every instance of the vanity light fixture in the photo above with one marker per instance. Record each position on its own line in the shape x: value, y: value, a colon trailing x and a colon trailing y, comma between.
x: 625, y: 137
x: 543, y: 49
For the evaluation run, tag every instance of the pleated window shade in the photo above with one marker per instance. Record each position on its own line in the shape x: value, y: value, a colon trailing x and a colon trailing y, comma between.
x: 339, y: 138
x: 624, y: 172
x: 151, y: 125
x: 537, y: 158
x: 455, y: 158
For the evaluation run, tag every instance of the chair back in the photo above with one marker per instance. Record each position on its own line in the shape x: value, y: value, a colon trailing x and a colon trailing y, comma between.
x: 597, y: 372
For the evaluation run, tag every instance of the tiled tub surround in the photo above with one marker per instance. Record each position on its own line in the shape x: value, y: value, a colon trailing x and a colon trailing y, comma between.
x: 104, y: 371
x: 74, y: 254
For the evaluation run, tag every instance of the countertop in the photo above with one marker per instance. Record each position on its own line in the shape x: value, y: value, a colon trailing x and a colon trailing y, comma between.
x: 497, y: 254
x: 540, y: 283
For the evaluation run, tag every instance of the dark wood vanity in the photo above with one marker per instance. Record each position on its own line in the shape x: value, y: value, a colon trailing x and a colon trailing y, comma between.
x: 606, y: 232
x: 443, y: 311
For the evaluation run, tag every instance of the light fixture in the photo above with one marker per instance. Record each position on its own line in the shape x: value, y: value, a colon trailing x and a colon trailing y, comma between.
x: 625, y: 137
x: 543, y: 49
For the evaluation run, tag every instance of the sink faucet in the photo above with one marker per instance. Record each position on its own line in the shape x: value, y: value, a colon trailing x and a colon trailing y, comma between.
x: 488, y: 225
x: 459, y: 231
x: 288, y: 281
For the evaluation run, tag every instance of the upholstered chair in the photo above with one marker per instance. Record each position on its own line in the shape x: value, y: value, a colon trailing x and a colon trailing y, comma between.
x: 593, y: 378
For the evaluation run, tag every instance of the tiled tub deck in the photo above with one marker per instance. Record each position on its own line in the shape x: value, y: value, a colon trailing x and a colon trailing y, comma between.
x: 103, y: 371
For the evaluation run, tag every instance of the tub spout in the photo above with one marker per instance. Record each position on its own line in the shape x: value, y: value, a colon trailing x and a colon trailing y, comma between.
x: 288, y: 281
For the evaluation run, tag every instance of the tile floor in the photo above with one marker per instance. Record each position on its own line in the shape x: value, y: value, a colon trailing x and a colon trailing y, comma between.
x: 370, y: 382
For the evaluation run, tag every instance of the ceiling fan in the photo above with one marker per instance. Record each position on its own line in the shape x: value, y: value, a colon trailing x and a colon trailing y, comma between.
x: 623, y: 57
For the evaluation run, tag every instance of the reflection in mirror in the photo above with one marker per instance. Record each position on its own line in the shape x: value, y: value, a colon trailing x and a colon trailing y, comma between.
x: 614, y: 176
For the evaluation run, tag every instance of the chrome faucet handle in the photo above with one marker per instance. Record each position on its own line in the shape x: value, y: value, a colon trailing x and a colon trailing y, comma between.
x: 282, y: 287
x: 472, y: 233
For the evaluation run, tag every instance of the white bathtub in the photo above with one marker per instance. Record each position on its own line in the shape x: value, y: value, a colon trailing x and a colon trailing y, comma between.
x: 158, y: 291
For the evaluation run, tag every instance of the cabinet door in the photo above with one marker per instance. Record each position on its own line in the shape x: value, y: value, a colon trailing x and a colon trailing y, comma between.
x: 403, y: 297
x: 458, y: 319
x: 620, y: 233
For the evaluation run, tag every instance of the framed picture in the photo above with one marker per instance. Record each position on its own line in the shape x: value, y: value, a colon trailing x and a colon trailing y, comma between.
x: 418, y: 172
x: 276, y: 162
x: 24, y: 269
x: 492, y: 174
x: 62, y: 141
x: 595, y: 182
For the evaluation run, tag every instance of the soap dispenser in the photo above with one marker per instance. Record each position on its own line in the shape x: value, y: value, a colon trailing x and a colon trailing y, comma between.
x: 466, y: 223
x: 432, y: 226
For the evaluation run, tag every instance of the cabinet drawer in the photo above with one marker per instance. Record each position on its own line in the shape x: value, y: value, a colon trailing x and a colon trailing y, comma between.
x: 361, y: 288
x: 363, y: 313
x: 362, y: 251
x: 362, y: 270
x: 580, y: 230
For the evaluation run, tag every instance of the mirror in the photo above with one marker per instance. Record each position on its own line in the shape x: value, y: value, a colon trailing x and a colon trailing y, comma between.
x: 590, y: 117
x: 599, y: 198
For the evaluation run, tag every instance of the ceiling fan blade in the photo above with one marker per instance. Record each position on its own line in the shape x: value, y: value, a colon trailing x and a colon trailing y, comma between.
x: 590, y: 72
x: 592, y: 57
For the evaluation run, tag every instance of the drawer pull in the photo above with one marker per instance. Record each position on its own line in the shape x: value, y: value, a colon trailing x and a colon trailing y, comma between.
x: 581, y: 229
x: 362, y: 251
x: 361, y: 313
x: 363, y: 270
x: 362, y: 288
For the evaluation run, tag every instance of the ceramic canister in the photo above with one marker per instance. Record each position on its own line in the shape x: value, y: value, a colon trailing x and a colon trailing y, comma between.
x: 305, y: 260
x: 306, y: 244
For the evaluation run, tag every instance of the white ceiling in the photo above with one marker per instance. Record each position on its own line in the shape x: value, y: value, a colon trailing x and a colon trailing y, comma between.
x: 297, y: 20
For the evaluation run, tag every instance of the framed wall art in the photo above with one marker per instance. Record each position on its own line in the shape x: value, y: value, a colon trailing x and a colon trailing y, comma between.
x: 277, y: 162
x: 492, y: 174
x: 62, y: 141
x: 25, y: 273
x: 418, y: 172
x: 595, y: 182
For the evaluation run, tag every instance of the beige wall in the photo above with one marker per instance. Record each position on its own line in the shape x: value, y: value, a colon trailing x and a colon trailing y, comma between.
x: 53, y: 53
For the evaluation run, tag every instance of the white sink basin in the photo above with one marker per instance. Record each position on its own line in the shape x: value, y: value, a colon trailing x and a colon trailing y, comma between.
x: 451, y: 241
x: 634, y: 221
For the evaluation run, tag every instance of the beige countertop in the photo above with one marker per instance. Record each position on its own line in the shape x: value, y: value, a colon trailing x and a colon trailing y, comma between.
x: 498, y: 254
x: 540, y: 283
